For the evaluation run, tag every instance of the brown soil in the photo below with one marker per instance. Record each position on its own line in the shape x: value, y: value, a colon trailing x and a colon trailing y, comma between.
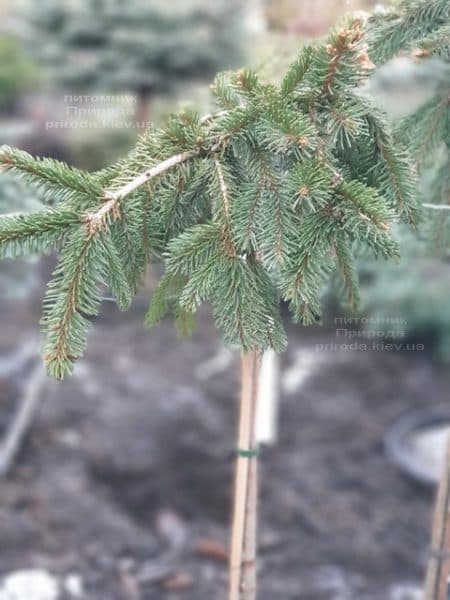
x: 128, y: 471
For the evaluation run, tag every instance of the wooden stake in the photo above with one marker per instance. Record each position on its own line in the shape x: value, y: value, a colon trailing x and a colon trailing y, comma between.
x: 249, y: 574
x: 243, y: 574
x: 21, y: 423
x: 438, y: 571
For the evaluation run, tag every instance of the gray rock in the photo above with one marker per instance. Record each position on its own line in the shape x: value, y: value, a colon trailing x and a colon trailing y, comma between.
x: 30, y: 585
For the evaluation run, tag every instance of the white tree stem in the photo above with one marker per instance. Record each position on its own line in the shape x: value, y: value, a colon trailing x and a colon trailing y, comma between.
x: 158, y: 169
x: 147, y: 175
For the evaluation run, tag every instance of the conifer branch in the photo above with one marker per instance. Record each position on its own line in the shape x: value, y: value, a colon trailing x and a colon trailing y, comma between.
x: 71, y: 298
x: 228, y: 239
x: 60, y: 351
x: 22, y: 234
x: 47, y: 171
x: 435, y: 117
x: 149, y: 174
x: 405, y: 27
x: 246, y: 205
x: 223, y: 188
x: 346, y: 40
x: 210, y: 116
x: 419, y: 29
x: 96, y: 221
x: 348, y: 273
x: 403, y: 194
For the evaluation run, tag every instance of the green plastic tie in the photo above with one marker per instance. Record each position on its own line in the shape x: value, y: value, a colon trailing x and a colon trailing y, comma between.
x: 250, y: 453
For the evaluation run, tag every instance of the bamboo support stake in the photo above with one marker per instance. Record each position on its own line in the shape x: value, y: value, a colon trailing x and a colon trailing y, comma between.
x: 249, y: 555
x: 245, y: 465
x: 438, y: 570
x: 249, y: 574
x: 22, y: 420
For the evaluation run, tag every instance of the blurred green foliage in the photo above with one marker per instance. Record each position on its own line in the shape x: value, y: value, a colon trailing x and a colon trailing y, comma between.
x: 138, y: 49
x: 18, y: 73
x: 92, y: 152
x: 415, y: 290
x: 17, y: 277
x: 144, y: 46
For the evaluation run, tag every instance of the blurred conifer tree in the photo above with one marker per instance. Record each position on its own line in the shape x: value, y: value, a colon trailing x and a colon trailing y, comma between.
x: 140, y: 46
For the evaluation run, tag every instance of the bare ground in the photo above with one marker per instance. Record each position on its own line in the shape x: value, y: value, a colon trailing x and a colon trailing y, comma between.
x: 126, y: 478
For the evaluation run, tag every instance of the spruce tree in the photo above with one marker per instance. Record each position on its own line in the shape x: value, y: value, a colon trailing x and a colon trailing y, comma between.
x: 258, y: 202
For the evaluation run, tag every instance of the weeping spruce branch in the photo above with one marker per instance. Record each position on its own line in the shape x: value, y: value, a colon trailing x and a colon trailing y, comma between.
x: 256, y: 203
x: 420, y: 29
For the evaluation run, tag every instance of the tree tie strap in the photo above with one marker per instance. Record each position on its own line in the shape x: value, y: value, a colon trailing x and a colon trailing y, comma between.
x: 249, y: 453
